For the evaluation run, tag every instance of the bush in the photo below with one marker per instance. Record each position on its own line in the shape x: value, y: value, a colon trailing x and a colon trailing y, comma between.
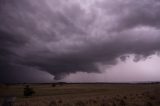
x: 122, y: 103
x: 53, y: 85
x: 53, y: 103
x: 80, y: 103
x: 148, y: 104
x: 28, y: 91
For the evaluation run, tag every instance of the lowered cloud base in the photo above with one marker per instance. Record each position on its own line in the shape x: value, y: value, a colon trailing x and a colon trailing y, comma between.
x: 63, y: 37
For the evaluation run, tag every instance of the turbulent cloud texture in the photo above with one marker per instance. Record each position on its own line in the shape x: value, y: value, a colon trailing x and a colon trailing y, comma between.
x: 69, y: 36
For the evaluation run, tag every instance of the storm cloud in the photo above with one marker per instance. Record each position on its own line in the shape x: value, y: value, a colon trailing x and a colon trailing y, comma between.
x: 69, y: 36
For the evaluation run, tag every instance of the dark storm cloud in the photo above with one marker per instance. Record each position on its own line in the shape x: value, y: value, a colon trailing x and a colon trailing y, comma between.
x: 63, y: 37
x: 130, y: 13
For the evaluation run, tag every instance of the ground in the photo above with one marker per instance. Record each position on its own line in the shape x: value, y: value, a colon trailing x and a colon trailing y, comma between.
x: 84, y: 95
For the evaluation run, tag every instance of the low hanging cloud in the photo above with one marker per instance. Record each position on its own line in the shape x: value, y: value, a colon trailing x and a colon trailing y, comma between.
x: 63, y: 37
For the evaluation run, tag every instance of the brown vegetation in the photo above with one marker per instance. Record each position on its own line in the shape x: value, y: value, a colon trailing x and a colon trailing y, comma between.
x: 87, y: 95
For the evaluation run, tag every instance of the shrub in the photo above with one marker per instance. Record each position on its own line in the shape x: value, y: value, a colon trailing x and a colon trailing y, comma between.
x: 28, y: 91
x: 60, y: 101
x: 53, y: 85
x: 122, y: 103
x: 67, y: 104
x: 125, y: 97
x: 148, y: 104
x: 80, y: 103
x: 53, y: 103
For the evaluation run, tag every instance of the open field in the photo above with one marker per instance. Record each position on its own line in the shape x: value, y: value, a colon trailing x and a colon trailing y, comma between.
x: 85, y: 95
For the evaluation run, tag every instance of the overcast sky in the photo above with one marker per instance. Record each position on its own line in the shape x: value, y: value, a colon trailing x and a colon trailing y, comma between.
x: 79, y: 40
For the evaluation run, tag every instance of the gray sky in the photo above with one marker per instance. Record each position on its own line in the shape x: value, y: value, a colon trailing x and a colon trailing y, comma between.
x: 79, y: 40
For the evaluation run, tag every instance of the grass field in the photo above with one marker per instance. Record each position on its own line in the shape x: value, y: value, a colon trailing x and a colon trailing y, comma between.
x: 85, y: 95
